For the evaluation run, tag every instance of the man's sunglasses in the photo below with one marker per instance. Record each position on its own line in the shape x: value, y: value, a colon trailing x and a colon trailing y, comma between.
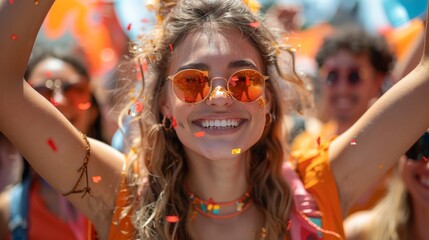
x: 332, y: 77
x: 194, y: 86
x: 420, y: 149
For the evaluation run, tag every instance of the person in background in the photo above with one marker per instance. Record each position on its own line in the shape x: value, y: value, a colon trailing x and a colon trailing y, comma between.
x: 404, y: 212
x: 353, y: 65
x: 10, y: 164
x: 33, y: 209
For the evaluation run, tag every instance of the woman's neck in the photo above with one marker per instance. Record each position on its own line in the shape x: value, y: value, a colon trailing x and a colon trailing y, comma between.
x: 220, y: 180
x: 420, y: 230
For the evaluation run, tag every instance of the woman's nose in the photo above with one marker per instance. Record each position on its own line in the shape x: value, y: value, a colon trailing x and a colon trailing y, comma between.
x: 219, y: 95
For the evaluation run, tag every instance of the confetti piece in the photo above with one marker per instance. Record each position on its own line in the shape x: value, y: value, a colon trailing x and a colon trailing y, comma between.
x: 96, y: 179
x: 52, y: 144
x: 129, y: 26
x: 199, y: 134
x: 353, y: 142
x: 173, y: 122
x: 172, y: 219
x: 318, y: 141
x: 48, y: 74
x: 289, y: 224
x: 138, y: 107
x: 51, y: 99
x: 11, y: 1
x: 254, y: 24
x: 84, y: 106
x: 14, y: 37
x: 171, y: 47
x: 425, y: 159
x: 236, y: 151
x: 145, y: 20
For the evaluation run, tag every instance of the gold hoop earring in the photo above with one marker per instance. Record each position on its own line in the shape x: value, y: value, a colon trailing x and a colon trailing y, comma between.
x: 167, y: 123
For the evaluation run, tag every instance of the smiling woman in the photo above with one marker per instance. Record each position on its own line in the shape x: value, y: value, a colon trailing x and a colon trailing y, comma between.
x: 208, y: 156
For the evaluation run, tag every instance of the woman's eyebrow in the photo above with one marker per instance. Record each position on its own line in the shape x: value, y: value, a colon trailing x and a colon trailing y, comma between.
x: 242, y: 63
x: 199, y: 66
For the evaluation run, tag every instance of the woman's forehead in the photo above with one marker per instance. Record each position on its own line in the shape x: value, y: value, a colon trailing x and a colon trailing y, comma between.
x: 214, y: 48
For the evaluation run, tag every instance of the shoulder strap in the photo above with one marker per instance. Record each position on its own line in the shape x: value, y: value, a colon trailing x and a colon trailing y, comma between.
x: 19, y: 209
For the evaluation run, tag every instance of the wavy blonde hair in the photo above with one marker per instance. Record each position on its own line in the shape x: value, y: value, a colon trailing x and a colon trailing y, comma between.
x: 157, y: 164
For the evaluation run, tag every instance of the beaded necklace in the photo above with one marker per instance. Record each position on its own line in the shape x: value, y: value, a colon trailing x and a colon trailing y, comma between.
x: 212, y: 209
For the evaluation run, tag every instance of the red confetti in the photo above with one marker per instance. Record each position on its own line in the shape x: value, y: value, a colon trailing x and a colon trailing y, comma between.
x: 139, y: 107
x: 255, y: 24
x: 199, y: 134
x: 318, y: 141
x: 84, y: 106
x: 11, y: 1
x: 172, y: 219
x: 173, y: 122
x: 48, y: 74
x: 129, y: 26
x: 425, y: 159
x: 289, y: 224
x: 14, y: 37
x: 171, y: 47
x: 96, y: 179
x: 52, y: 144
x: 145, y: 20
x: 353, y: 142
x: 53, y: 102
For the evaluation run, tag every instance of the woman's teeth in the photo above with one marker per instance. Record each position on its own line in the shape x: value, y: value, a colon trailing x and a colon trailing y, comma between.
x: 224, y: 123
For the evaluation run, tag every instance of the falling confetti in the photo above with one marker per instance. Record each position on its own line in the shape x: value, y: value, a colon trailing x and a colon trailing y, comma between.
x: 145, y: 20
x: 318, y: 141
x: 173, y: 122
x: 172, y: 219
x: 353, y: 142
x: 255, y: 24
x: 236, y: 151
x: 138, y: 107
x: 84, y: 106
x: 171, y: 47
x: 129, y: 26
x: 14, y: 36
x: 48, y: 74
x: 96, y: 179
x: 199, y: 134
x: 289, y: 224
x: 52, y: 144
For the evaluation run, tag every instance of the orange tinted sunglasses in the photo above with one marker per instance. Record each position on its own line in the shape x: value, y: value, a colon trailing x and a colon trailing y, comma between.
x: 194, y: 86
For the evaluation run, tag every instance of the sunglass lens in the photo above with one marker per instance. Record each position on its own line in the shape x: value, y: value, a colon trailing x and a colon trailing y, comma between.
x: 332, y: 78
x: 191, y: 86
x: 354, y: 77
x: 246, y: 85
x: 420, y: 149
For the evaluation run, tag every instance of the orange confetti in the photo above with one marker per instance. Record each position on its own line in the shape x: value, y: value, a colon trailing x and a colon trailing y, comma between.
x: 139, y: 107
x: 14, y: 36
x: 318, y: 141
x: 96, y: 179
x: 173, y: 122
x: 171, y: 47
x: 84, y: 106
x: 199, y: 134
x: 289, y: 224
x: 52, y: 144
x: 172, y: 219
x: 255, y: 24
x: 236, y: 151
x: 48, y: 74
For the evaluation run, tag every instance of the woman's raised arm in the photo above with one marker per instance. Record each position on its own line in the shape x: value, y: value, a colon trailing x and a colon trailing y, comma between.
x: 382, y: 134
x: 55, y: 149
